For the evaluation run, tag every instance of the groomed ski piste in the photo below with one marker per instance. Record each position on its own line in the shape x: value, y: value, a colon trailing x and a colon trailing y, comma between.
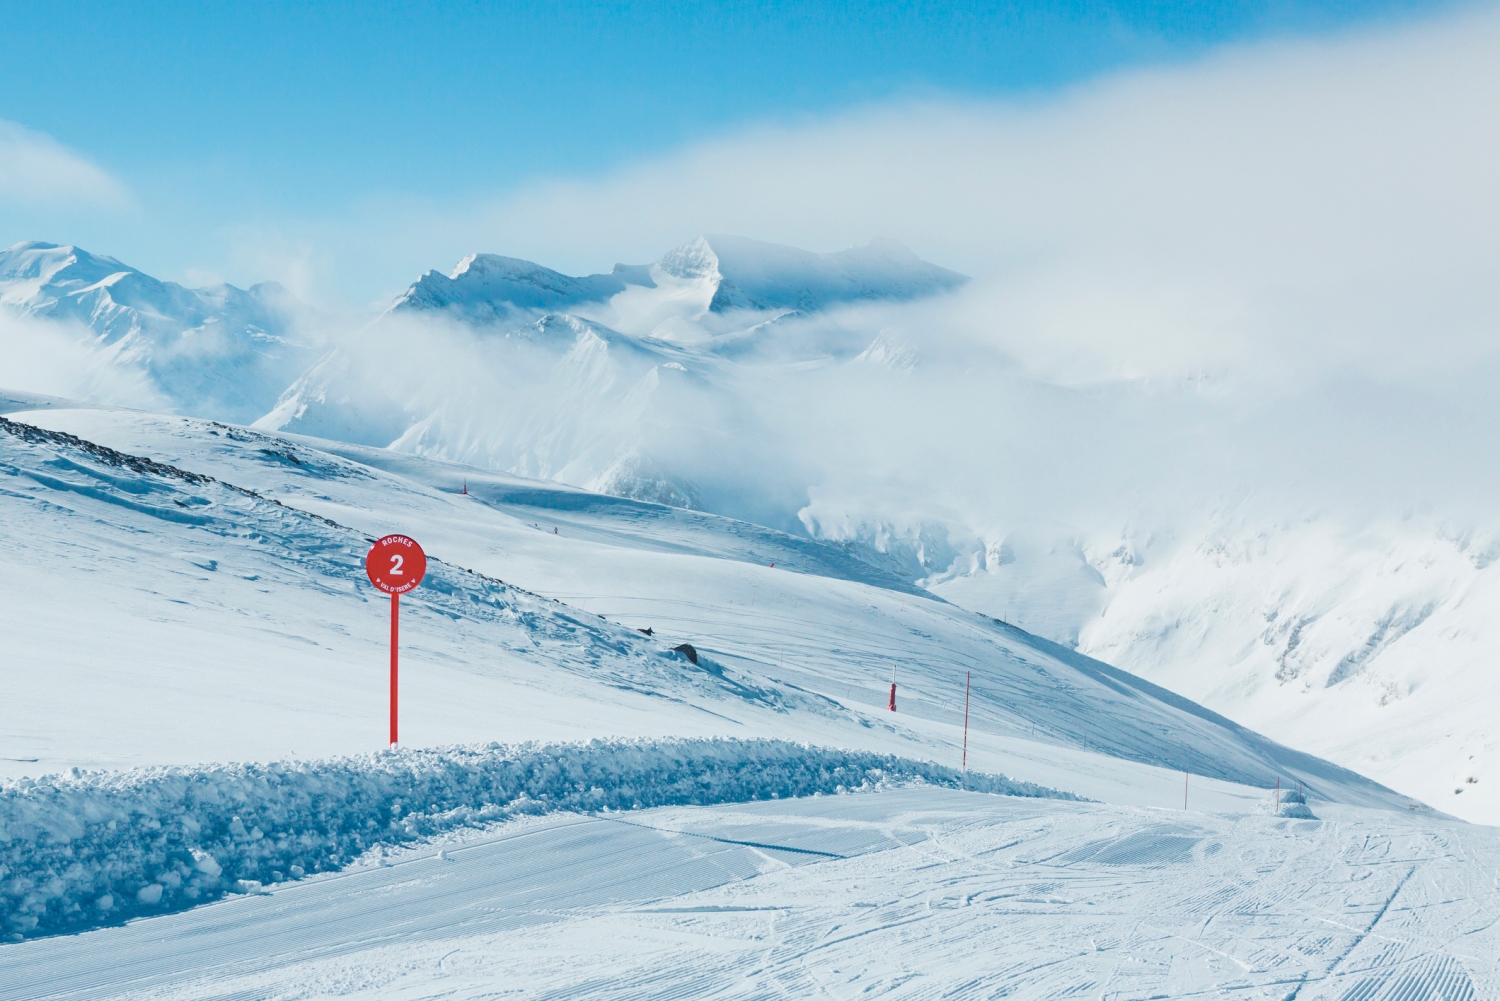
x: 199, y: 803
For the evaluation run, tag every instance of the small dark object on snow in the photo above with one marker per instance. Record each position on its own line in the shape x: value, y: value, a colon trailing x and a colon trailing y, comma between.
x: 648, y: 630
x: 686, y: 649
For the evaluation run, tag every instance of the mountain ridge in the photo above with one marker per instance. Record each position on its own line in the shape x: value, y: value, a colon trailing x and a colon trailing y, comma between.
x: 165, y: 329
x: 735, y: 273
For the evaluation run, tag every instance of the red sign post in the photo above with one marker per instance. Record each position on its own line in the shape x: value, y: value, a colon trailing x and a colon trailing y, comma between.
x: 395, y: 564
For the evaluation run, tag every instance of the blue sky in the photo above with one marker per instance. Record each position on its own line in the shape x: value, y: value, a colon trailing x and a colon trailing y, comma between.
x: 219, y: 120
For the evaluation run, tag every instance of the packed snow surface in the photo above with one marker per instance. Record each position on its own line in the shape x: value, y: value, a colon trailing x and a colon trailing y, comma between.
x: 905, y: 893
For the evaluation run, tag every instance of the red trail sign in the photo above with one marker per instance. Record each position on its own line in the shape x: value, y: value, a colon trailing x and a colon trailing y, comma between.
x: 395, y: 564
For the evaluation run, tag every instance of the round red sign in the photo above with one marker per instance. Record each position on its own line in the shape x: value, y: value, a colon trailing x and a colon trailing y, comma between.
x: 396, y: 564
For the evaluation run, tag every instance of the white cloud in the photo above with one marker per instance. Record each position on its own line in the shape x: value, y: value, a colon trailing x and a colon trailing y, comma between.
x: 35, y: 168
x: 1310, y: 203
x: 1281, y: 259
x: 56, y: 358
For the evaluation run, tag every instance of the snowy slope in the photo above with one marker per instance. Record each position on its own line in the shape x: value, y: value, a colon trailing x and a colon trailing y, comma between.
x: 1369, y: 644
x: 275, y: 572
x: 194, y: 594
x: 913, y: 893
x: 218, y: 351
x: 84, y: 850
x: 559, y: 397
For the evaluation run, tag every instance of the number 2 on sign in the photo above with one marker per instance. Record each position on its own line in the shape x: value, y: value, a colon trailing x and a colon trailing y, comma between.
x: 396, y: 564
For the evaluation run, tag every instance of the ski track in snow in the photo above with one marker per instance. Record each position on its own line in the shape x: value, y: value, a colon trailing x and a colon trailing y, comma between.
x: 922, y: 893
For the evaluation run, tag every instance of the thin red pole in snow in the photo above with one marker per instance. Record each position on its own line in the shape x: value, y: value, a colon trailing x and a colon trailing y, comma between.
x: 395, y: 630
x: 967, y: 676
x: 892, y: 706
x: 395, y: 564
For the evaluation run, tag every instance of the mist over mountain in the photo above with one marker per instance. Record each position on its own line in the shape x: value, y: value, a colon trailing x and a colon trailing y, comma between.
x: 219, y: 350
x: 622, y: 382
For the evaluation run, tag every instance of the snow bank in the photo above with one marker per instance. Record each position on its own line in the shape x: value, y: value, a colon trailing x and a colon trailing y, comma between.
x: 91, y: 848
x: 1293, y: 804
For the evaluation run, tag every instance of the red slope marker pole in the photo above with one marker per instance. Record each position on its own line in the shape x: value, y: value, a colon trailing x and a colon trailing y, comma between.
x: 395, y: 645
x: 967, y: 677
x: 395, y: 564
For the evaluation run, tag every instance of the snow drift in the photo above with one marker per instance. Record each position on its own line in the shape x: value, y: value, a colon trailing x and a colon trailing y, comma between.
x: 89, y: 848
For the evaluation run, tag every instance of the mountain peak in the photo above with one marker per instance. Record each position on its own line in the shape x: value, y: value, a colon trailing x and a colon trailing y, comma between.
x: 736, y: 272
x: 155, y: 325
x: 693, y: 260
x: 35, y: 264
x: 483, y: 288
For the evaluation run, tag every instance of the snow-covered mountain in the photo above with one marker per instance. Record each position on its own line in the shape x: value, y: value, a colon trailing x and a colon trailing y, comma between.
x: 1368, y: 642
x: 219, y: 351
x: 749, y: 274
x: 535, y: 598
x: 712, y: 274
x: 485, y: 288
x: 610, y: 382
